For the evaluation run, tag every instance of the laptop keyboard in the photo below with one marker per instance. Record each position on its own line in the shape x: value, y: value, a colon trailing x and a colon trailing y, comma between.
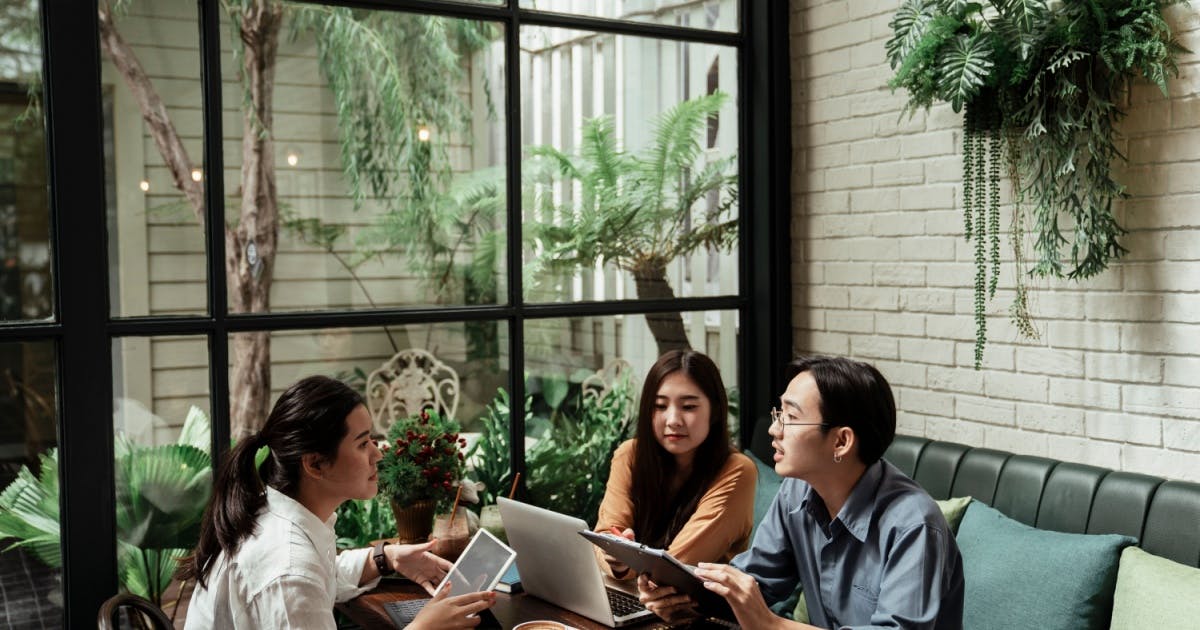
x: 403, y: 612
x: 623, y: 603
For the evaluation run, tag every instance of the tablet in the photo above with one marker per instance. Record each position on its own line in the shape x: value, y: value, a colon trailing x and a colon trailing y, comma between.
x: 480, y: 566
x: 661, y: 567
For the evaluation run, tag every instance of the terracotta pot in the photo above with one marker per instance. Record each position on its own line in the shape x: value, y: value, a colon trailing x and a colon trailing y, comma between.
x: 414, y: 521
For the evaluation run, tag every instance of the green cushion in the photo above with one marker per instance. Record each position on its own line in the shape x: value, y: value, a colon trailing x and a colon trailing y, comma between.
x: 953, y: 510
x: 1154, y: 592
x: 1021, y: 577
x: 765, y: 491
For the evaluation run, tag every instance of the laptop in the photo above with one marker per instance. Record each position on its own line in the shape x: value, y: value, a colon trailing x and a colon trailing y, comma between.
x: 558, y: 565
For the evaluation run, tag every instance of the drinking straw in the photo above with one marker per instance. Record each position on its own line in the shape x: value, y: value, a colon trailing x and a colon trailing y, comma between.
x: 454, y: 510
x: 514, y: 486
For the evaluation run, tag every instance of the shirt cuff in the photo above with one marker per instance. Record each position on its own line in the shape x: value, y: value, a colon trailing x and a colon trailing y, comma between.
x: 350, y: 565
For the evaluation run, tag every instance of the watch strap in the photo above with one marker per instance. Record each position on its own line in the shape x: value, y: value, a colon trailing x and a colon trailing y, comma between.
x: 380, y: 558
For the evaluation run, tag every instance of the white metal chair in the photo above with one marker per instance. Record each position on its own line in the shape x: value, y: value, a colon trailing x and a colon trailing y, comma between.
x: 406, y: 384
x: 599, y: 385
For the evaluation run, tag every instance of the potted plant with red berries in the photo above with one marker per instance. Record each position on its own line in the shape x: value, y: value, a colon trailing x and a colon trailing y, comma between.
x: 422, y: 466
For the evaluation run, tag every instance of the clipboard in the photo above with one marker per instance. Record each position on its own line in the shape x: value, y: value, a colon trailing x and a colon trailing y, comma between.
x: 663, y: 569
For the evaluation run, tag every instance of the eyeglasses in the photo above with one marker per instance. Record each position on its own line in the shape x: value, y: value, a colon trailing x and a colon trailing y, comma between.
x: 778, y: 417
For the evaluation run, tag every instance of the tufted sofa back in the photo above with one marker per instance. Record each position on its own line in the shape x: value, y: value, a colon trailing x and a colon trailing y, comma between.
x: 1163, y: 515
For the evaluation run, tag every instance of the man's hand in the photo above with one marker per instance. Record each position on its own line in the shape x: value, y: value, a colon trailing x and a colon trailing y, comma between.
x: 664, y: 601
x: 461, y: 611
x: 418, y: 564
x: 742, y: 593
x: 619, y: 569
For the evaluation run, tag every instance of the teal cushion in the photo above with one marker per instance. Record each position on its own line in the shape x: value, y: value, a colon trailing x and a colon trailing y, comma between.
x: 953, y: 509
x: 1154, y: 592
x: 765, y: 491
x: 1018, y: 576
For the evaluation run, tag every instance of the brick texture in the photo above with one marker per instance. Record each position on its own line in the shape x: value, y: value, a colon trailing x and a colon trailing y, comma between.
x: 1113, y: 380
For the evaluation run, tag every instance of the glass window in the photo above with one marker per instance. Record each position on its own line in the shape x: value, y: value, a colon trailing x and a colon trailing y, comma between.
x: 718, y: 15
x: 163, y: 464
x: 154, y: 172
x: 384, y: 160
x: 30, y: 557
x: 630, y: 179
x: 584, y: 378
x: 457, y: 367
x: 26, y: 290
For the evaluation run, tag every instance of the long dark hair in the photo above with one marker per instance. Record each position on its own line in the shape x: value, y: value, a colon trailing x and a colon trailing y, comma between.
x: 309, y: 417
x: 658, y: 515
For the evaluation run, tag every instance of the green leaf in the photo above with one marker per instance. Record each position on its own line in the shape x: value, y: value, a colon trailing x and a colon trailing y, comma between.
x: 965, y: 66
x: 908, y: 27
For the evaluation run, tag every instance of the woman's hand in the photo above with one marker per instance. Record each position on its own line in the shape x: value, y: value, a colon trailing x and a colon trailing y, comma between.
x: 418, y: 564
x: 618, y: 568
x: 461, y: 611
x: 664, y: 601
x: 742, y: 593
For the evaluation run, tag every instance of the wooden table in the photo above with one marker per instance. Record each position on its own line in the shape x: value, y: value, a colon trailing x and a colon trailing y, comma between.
x: 367, y: 609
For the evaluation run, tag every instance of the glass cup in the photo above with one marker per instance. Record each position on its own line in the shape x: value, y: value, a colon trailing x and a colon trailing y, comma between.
x: 489, y: 519
x: 450, y: 538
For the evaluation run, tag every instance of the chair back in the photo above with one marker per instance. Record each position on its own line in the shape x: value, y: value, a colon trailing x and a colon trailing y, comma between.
x: 599, y: 385
x: 136, y: 607
x: 409, y: 382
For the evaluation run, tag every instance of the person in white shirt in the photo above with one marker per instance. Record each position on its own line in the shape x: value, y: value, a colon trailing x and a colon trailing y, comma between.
x: 266, y: 556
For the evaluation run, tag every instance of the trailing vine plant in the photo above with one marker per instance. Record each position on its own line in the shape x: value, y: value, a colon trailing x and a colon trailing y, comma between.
x: 1039, y: 84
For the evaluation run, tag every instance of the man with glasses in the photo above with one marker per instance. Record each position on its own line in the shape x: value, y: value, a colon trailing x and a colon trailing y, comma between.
x: 869, y: 546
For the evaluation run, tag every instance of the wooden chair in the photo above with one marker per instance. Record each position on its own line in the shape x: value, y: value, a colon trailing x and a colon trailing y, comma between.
x: 410, y: 381
x: 137, y: 608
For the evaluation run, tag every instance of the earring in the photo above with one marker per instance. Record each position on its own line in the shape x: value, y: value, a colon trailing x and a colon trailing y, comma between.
x: 837, y: 459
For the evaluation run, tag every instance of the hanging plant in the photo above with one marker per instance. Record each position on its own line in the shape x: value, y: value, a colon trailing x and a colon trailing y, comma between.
x: 1038, y: 84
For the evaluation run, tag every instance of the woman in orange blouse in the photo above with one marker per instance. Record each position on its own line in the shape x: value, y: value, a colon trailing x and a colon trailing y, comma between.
x: 679, y: 484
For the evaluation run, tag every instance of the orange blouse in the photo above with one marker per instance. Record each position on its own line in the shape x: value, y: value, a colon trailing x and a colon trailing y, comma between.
x: 719, y: 528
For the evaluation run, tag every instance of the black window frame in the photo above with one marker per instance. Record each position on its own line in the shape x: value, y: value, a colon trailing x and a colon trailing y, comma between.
x: 83, y: 329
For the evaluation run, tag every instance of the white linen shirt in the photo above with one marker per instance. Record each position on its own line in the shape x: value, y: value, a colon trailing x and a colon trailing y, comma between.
x: 287, y: 574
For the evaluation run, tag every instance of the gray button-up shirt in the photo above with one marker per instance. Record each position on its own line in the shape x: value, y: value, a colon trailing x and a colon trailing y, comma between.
x: 887, y: 560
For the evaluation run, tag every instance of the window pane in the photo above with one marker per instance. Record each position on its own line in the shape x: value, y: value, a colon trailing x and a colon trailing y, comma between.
x: 385, y: 152
x: 457, y: 366
x: 155, y: 176
x: 716, y: 15
x: 615, y: 205
x: 162, y: 439
x: 26, y: 290
x: 30, y: 575
x: 584, y: 379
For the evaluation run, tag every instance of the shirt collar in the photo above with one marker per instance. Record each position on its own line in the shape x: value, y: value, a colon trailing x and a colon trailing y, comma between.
x: 319, y: 532
x: 857, y: 512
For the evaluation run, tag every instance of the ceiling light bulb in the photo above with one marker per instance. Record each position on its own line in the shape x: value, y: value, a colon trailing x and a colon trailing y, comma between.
x: 144, y: 185
x: 197, y: 175
x: 293, y: 158
x: 423, y: 134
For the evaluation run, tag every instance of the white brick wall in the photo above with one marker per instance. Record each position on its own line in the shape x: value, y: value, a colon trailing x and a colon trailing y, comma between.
x: 881, y: 272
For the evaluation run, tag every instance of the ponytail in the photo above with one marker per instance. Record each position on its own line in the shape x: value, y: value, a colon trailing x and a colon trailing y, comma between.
x: 229, y: 518
x: 308, y: 418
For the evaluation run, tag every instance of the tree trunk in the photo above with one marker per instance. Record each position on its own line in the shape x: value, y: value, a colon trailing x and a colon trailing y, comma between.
x: 250, y: 246
x: 650, y: 279
x: 154, y: 111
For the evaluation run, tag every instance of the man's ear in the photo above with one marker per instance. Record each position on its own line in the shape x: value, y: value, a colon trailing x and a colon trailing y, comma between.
x: 312, y: 465
x: 845, y: 441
